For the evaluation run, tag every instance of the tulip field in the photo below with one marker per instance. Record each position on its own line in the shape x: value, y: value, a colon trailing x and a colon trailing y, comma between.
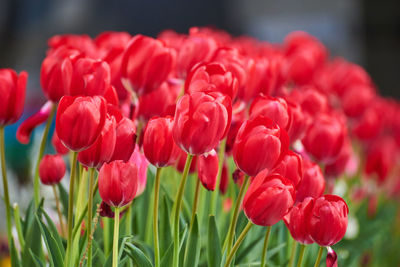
x: 202, y: 149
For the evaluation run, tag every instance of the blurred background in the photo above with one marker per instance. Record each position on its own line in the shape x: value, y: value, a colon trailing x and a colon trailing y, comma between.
x: 365, y: 32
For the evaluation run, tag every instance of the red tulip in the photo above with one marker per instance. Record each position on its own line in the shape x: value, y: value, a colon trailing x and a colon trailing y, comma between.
x: 27, y: 126
x: 102, y: 149
x: 364, y: 95
x: 160, y: 102
x: 51, y: 169
x: 239, y: 115
x: 194, y: 49
x: 341, y: 163
x: 12, y: 91
x: 142, y: 164
x: 257, y: 81
x: 158, y: 145
x: 291, y: 167
x: 211, y: 77
x: 58, y: 145
x: 297, y: 221
x: 90, y: 77
x: 207, y: 168
x: 111, y: 48
x: 325, y: 137
x: 299, y: 122
x: 369, y: 125
x: 268, y: 199
x: 83, y: 43
x: 259, y: 144
x: 56, y: 72
x: 125, y: 139
x: 224, y: 182
x: 118, y: 183
x: 201, y: 121
x: 328, y: 220
x: 80, y: 120
x: 274, y: 108
x: 146, y: 64
x: 381, y: 158
x: 181, y: 161
x: 313, y: 182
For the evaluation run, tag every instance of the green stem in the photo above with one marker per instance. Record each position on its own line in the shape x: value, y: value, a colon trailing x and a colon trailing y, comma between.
x: 301, y: 255
x: 195, y: 203
x: 232, y: 227
x: 116, y: 236
x: 71, y: 208
x: 237, y: 244
x: 178, y: 204
x: 128, y: 220
x: 106, y: 235
x: 60, y: 218
x: 155, y: 218
x: 17, y: 219
x: 214, y: 196
x: 5, y: 185
x: 36, y: 184
x: 90, y: 216
x: 292, y: 253
x: 321, y: 249
x: 265, y: 247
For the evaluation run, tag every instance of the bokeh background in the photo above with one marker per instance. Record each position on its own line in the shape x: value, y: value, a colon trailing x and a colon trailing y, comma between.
x: 365, y: 32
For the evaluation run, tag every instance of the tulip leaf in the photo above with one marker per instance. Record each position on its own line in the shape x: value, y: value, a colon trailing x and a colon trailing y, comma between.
x: 54, y: 232
x: 63, y: 199
x: 165, y: 235
x: 137, y: 255
x: 214, y: 244
x: 55, y: 256
x: 192, y: 253
x: 38, y: 262
x: 245, y: 250
x: 168, y: 256
x: 32, y: 234
x: 14, y: 255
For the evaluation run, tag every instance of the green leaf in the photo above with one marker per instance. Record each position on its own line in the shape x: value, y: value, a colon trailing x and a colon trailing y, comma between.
x: 165, y: 226
x: 38, y: 262
x: 244, y: 251
x: 193, y: 245
x: 32, y: 235
x: 54, y: 232
x: 168, y: 257
x: 137, y: 256
x: 214, y: 245
x: 99, y: 258
x: 55, y: 255
x: 63, y: 199
x: 15, y: 262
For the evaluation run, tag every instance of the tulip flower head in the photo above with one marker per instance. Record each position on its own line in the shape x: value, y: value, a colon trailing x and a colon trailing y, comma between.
x: 51, y: 169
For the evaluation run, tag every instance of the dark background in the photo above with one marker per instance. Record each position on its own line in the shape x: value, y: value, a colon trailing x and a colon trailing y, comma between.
x: 365, y: 32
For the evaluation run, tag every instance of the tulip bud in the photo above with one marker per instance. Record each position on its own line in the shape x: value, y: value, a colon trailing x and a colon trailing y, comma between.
x: 325, y: 137
x: 313, y: 182
x: 118, y: 183
x: 90, y: 77
x: 291, y: 167
x: 146, y: 64
x: 207, y: 168
x: 51, y: 169
x: 328, y: 220
x: 297, y: 221
x: 201, y: 121
x: 83, y: 43
x: 125, y: 141
x: 259, y: 144
x: 211, y: 77
x: 102, y: 149
x: 274, y: 108
x: 299, y: 122
x: 12, y: 91
x: 158, y: 145
x: 268, y: 199
x: 80, y: 120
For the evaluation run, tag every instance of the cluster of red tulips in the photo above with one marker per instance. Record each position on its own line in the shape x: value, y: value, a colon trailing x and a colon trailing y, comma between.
x: 282, y: 121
